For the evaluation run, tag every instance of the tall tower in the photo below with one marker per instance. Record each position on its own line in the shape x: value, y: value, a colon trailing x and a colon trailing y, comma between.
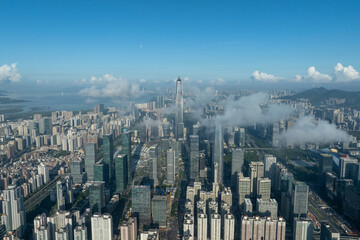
x: 179, y: 112
x: 218, y: 153
x: 194, y: 157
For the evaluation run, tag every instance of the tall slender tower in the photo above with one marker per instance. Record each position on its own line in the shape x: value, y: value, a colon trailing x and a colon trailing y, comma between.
x: 179, y: 117
x: 218, y: 152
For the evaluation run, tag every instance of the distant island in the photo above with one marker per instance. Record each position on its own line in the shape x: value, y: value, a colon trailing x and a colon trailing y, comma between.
x: 7, y: 100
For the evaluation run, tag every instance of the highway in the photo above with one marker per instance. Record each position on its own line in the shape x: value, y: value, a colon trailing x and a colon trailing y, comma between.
x: 41, y: 194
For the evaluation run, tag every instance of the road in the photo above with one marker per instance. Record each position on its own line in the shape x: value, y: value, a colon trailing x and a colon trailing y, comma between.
x: 41, y: 194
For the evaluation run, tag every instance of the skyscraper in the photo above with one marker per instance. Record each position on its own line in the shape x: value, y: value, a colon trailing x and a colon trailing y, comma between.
x: 121, y: 172
x: 300, y: 196
x: 263, y: 189
x: 102, y: 227
x: 126, y: 149
x: 96, y: 196
x: 229, y: 227
x: 179, y: 111
x: 76, y: 172
x: 215, y: 228
x: 256, y: 171
x: 194, y: 157
x: 269, y: 165
x: 348, y: 168
x: 101, y: 172
x: 218, y: 157
x: 303, y: 229
x: 237, y: 161
x: 266, y: 208
x: 170, y: 166
x: 80, y: 233
x: 90, y: 157
x: 43, y: 170
x: 328, y: 232
x: 262, y: 228
x: 158, y: 210
x: 154, y: 162
x: 13, y: 211
x: 108, y: 152
x: 244, y: 189
x: 202, y: 222
x: 141, y: 203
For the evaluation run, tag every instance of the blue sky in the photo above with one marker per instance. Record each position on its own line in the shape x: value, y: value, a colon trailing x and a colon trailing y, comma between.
x: 159, y: 40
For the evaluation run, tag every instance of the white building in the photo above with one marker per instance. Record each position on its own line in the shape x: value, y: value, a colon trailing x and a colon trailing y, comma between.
x: 101, y: 227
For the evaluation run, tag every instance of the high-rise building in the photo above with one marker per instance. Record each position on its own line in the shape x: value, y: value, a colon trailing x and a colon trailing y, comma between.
x: 202, y: 223
x: 262, y: 228
x: 13, y: 211
x: 263, y: 189
x: 269, y: 166
x: 229, y: 227
x: 328, y: 232
x: 303, y: 229
x: 43, y: 170
x: 215, y: 228
x: 189, y: 228
x: 179, y: 111
x: 237, y: 161
x: 80, y: 233
x: 101, y: 227
x: 348, y: 168
x: 244, y: 189
x: 194, y: 157
x: 64, y: 192
x: 101, y: 172
x: 90, y: 159
x: 154, y: 163
x: 266, y: 208
x: 76, y: 172
x: 218, y: 158
x: 170, y: 166
x: 126, y: 149
x: 159, y: 210
x: 96, y: 196
x: 300, y: 196
x: 128, y: 230
x: 98, y: 109
x: 45, y: 126
x: 325, y: 165
x: 141, y: 203
x: 121, y: 172
x: 256, y: 171
x: 108, y: 152
x: 226, y: 196
x: 247, y: 208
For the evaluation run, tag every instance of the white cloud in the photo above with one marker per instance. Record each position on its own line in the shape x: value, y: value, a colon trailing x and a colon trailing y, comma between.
x: 308, y: 130
x: 186, y: 79
x: 9, y: 73
x: 142, y: 80
x: 317, y: 77
x: 264, y: 77
x: 219, y: 81
x: 345, y: 74
x: 110, y: 86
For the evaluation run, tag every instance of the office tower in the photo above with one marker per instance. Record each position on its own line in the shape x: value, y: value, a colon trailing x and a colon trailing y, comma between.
x: 328, y: 232
x: 348, y: 167
x: 60, y: 195
x: 108, y: 152
x: 229, y: 227
x: 237, y: 161
x: 179, y: 111
x: 101, y: 172
x: 202, y: 222
x: 43, y: 170
x: 126, y: 149
x: 154, y: 163
x: 90, y: 157
x: 218, y: 157
x: 262, y: 228
x: 266, y: 208
x: 256, y: 171
x: 194, y: 157
x: 300, y: 199
x: 96, y: 196
x: 80, y: 233
x: 98, y: 109
x: 269, y: 166
x: 141, y: 203
x: 325, y: 164
x: 176, y: 145
x: 351, y: 205
x: 303, y: 229
x: 170, y: 166
x: 121, y: 173
x: 189, y: 228
x: 101, y: 227
x: 263, y: 189
x: 244, y: 188
x: 45, y: 126
x: 128, y: 230
x: 159, y: 210
x: 76, y: 172
x: 215, y: 228
x: 13, y: 211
